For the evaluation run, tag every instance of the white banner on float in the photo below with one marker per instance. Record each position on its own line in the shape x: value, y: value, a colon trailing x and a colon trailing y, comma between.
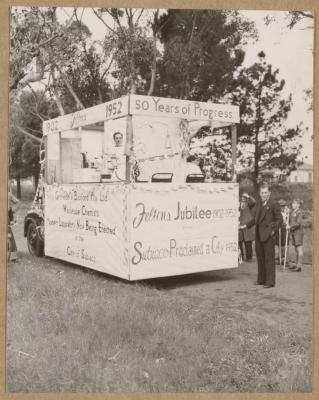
x: 160, y: 106
x: 86, y: 225
x: 181, y: 230
x: 102, y: 112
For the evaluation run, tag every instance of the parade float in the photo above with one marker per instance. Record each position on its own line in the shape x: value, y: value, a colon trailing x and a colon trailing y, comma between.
x: 139, y: 187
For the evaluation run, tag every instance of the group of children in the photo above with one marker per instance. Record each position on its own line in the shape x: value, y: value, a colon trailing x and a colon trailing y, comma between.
x: 290, y: 231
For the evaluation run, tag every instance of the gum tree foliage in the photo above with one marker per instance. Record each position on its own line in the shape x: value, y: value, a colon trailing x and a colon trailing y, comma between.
x: 294, y: 18
x: 259, y: 92
x: 202, y: 49
x: 131, y: 45
x: 87, y: 78
x: 42, y: 48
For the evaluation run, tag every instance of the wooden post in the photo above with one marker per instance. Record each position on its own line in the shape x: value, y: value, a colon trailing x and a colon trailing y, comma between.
x: 233, y: 150
x: 60, y: 178
x: 128, y: 146
x: 46, y: 163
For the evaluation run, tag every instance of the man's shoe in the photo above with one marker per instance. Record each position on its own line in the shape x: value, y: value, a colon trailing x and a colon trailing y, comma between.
x: 258, y: 283
x: 292, y: 266
x: 296, y: 269
x: 268, y: 286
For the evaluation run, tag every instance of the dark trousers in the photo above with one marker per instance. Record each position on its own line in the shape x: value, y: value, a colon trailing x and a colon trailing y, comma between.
x: 248, y: 249
x: 265, y: 253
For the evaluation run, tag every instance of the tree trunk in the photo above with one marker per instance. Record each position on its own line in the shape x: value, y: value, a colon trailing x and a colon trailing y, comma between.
x: 18, y: 186
x: 131, y: 55
x: 99, y: 92
x: 78, y: 102
x: 133, y: 85
x: 153, y: 68
x: 256, y: 157
x: 56, y: 93
x: 187, y: 82
x: 258, y: 124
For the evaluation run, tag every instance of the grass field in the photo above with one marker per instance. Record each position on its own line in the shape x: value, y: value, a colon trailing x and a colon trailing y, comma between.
x: 72, y: 329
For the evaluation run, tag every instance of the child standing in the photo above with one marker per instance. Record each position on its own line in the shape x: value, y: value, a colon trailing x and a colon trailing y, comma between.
x: 296, y: 233
x: 281, y: 233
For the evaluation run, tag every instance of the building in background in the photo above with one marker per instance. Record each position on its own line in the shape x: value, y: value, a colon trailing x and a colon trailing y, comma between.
x: 304, y: 174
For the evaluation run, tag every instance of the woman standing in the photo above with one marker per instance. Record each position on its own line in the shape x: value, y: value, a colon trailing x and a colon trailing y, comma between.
x: 247, y: 235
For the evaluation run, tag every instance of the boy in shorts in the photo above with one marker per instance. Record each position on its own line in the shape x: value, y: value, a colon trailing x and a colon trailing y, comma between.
x: 296, y: 234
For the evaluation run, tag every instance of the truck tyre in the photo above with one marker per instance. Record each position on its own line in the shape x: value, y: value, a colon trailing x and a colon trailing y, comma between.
x: 35, y: 244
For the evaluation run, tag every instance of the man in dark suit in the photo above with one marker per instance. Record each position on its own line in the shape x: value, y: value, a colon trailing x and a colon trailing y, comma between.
x: 267, y: 218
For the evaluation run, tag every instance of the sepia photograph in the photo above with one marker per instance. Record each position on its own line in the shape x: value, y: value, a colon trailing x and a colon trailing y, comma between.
x: 160, y: 200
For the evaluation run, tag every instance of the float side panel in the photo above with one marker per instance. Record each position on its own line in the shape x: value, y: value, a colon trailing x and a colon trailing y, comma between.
x: 84, y: 225
x: 178, y: 230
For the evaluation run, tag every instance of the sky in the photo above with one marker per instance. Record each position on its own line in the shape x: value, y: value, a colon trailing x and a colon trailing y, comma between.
x: 289, y: 50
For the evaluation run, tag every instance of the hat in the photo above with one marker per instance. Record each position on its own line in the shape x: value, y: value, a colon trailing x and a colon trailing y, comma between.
x: 282, y: 202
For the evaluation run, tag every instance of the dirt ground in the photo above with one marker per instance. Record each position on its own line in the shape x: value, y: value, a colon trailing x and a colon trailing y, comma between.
x: 287, y: 305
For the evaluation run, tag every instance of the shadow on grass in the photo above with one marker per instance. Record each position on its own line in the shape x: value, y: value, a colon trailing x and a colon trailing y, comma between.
x: 162, y: 283
x: 173, y: 282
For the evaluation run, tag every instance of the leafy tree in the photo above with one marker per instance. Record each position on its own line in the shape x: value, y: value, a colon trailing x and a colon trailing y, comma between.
x: 202, y: 49
x: 131, y: 48
x: 16, y: 167
x: 42, y: 49
x: 258, y: 91
x: 133, y: 57
x: 27, y: 113
x: 88, y: 79
x: 294, y: 17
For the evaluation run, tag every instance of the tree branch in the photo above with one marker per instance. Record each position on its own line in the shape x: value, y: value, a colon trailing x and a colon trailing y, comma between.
x: 102, y: 20
x: 305, y: 14
x: 108, y: 67
x: 127, y: 13
x: 71, y: 90
x: 153, y: 67
x: 18, y: 78
x: 36, y: 114
x: 139, y: 16
x: 116, y: 18
x: 56, y: 94
x: 28, y: 134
